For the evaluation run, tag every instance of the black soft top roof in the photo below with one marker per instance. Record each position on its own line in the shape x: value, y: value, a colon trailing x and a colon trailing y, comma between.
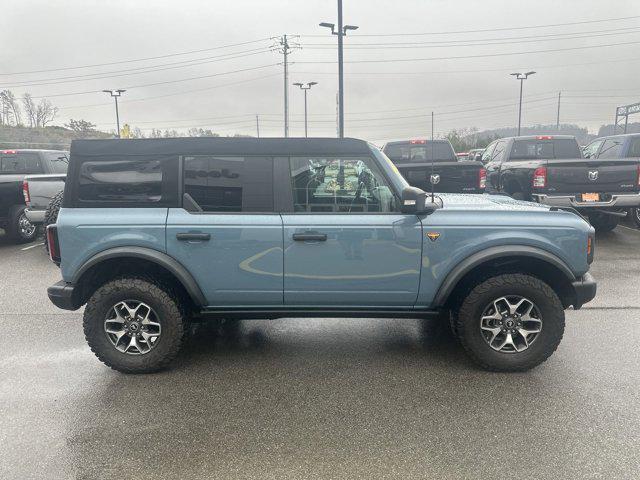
x: 221, y: 146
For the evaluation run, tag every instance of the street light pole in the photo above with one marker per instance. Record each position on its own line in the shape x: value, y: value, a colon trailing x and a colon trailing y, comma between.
x: 115, y: 94
x: 522, y: 77
x: 340, y: 32
x: 305, y: 87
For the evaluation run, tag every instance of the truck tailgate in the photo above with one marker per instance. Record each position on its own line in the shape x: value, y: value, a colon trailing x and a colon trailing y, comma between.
x: 454, y: 177
x: 598, y: 176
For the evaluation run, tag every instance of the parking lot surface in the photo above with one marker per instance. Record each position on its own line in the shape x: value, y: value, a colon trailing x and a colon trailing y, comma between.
x: 320, y: 398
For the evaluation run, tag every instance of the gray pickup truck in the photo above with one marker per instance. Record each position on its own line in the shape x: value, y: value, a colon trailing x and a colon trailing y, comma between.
x: 15, y: 166
x: 551, y: 169
x: 40, y: 191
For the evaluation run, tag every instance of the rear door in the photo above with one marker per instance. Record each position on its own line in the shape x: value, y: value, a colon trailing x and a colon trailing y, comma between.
x: 493, y: 166
x: 346, y: 244
x: 227, y: 233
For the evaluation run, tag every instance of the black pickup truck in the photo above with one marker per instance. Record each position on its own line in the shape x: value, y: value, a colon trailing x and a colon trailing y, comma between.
x: 426, y: 163
x: 15, y: 165
x: 551, y: 169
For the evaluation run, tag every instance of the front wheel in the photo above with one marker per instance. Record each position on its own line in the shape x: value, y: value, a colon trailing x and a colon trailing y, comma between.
x: 510, y: 323
x: 134, y: 325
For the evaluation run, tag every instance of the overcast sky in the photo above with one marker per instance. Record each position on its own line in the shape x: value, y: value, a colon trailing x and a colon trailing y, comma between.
x: 385, y: 97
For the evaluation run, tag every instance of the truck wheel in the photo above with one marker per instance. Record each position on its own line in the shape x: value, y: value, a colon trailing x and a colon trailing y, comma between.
x: 510, y: 323
x: 19, y: 228
x: 51, y: 213
x: 134, y: 325
x: 603, y: 222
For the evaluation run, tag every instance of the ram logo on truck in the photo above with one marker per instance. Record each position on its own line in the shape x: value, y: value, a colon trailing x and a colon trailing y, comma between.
x: 435, y: 179
x: 593, y: 175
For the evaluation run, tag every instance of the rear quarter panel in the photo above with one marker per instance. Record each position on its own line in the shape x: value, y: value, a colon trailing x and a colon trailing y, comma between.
x: 464, y: 233
x: 84, y: 232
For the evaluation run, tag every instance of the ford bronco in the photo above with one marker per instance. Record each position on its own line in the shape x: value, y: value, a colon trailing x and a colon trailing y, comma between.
x: 155, y: 233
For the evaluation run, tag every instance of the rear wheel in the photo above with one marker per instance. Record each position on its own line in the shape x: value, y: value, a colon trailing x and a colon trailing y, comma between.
x: 510, y: 323
x: 603, y: 222
x: 134, y: 325
x: 19, y: 228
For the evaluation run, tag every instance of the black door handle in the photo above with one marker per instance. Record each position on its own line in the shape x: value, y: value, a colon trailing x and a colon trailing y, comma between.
x: 310, y: 237
x: 187, y: 237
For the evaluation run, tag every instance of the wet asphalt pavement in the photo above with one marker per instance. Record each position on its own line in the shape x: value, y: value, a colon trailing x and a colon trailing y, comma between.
x: 320, y: 398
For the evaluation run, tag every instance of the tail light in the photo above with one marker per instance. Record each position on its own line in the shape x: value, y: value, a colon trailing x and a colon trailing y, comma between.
x: 54, y: 245
x: 590, y: 248
x: 539, y: 178
x: 482, y: 178
x: 639, y: 175
x: 25, y: 193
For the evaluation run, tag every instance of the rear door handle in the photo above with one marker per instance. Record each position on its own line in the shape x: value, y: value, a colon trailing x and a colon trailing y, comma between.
x: 190, y: 237
x: 310, y: 237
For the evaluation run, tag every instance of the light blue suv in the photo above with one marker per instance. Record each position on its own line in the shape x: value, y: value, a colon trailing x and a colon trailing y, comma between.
x: 156, y: 233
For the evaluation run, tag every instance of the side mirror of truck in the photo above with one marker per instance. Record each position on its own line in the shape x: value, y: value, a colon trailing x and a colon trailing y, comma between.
x: 414, y: 201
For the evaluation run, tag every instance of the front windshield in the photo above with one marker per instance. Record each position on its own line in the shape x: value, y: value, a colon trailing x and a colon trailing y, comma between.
x: 58, y: 161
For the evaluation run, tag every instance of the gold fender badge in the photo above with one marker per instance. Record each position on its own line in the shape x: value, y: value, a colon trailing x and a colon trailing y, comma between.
x: 433, y: 236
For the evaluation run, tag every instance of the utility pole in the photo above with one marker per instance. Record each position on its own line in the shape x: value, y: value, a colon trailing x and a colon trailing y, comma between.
x: 522, y: 77
x: 305, y: 87
x: 115, y: 94
x: 558, y: 117
x: 257, y: 126
x: 283, y: 47
x: 340, y: 32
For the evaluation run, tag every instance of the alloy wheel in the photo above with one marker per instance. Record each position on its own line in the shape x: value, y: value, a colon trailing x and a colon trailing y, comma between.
x: 132, y: 327
x: 25, y: 227
x: 510, y: 324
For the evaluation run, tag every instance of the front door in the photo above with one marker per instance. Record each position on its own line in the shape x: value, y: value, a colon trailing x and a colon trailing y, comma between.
x: 346, y: 244
x: 233, y: 245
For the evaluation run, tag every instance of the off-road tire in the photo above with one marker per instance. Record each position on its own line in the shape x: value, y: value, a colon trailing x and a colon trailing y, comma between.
x: 635, y: 215
x: 161, y: 299
x: 51, y: 214
x: 603, y: 222
x: 468, y: 317
x: 13, y: 229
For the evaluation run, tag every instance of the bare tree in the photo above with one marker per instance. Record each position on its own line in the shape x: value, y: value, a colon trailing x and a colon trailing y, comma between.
x: 10, y: 110
x: 45, y: 113
x: 30, y: 109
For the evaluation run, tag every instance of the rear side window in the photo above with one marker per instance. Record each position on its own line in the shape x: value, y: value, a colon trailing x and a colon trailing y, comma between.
x: 533, y: 149
x: 611, y: 148
x: 422, y: 152
x: 634, y: 148
x: 21, y: 163
x: 230, y: 184
x: 128, y: 181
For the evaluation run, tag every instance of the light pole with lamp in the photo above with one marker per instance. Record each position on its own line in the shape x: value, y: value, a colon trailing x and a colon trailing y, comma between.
x: 522, y: 77
x: 115, y: 94
x: 305, y: 87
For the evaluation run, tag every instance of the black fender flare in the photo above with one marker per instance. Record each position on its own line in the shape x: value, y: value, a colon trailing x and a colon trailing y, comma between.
x: 155, y: 256
x: 502, y: 251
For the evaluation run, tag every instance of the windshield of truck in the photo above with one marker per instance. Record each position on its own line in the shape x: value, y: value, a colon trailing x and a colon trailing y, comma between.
x: 420, y: 152
x: 58, y: 161
x: 553, y: 148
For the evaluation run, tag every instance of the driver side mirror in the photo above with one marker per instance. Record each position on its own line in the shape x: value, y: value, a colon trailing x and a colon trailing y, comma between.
x: 414, y: 201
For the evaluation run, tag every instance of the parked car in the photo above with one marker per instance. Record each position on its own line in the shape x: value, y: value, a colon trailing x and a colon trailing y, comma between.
x: 15, y: 165
x: 433, y: 164
x: 551, y: 170
x: 156, y: 232
x: 617, y: 146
